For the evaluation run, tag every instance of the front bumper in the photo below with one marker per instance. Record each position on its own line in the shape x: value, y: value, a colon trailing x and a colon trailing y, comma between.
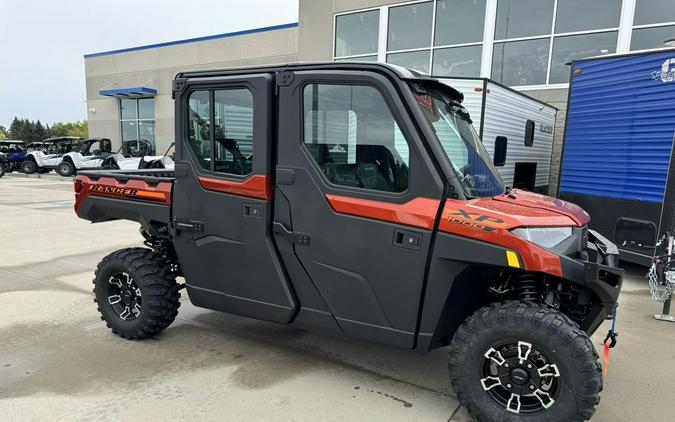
x: 596, y: 268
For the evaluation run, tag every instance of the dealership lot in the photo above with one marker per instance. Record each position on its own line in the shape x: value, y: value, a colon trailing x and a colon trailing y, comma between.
x: 58, y: 360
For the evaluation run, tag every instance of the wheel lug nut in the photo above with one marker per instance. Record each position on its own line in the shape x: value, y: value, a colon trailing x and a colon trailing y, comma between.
x: 529, y: 366
x: 531, y: 387
x: 508, y: 385
x: 506, y: 365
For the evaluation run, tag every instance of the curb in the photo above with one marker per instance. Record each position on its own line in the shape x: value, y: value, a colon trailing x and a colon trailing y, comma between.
x: 47, y: 176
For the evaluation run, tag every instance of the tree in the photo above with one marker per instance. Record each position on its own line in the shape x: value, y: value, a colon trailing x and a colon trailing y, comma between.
x: 3, y: 132
x: 29, y: 131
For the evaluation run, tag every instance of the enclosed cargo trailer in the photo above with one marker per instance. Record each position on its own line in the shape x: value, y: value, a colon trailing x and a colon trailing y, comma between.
x: 618, y: 147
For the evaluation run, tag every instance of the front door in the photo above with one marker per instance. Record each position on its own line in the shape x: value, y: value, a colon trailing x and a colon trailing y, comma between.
x: 222, y: 198
x: 360, y: 199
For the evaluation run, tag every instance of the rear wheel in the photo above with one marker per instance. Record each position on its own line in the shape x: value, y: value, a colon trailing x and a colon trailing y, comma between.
x: 2, y: 169
x: 66, y: 169
x: 518, y: 361
x: 28, y: 167
x: 136, y: 293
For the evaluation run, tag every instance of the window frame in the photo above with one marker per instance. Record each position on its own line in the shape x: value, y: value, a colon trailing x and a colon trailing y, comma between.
x: 315, y: 165
x: 625, y: 30
x: 185, y: 130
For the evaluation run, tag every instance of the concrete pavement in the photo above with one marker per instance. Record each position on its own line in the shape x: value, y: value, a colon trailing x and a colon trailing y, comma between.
x: 59, y: 361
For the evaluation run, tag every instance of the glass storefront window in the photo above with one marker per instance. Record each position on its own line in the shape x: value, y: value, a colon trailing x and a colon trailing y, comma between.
x: 418, y: 60
x: 358, y: 59
x: 459, y: 21
x: 128, y: 108
x: 520, y: 62
x: 410, y: 26
x: 356, y: 33
x: 138, y: 120
x: 523, y: 18
x: 651, y: 37
x: 566, y: 49
x: 457, y: 61
x: 654, y: 11
x: 585, y: 15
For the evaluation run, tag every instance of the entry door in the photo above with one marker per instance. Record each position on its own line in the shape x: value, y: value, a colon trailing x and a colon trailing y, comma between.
x: 361, y: 199
x: 222, y: 198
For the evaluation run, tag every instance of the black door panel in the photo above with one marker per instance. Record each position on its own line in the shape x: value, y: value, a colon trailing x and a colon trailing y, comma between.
x: 371, y: 285
x: 231, y: 264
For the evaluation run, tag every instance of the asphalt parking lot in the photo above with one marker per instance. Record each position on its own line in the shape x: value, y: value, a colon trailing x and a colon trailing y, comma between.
x: 58, y: 361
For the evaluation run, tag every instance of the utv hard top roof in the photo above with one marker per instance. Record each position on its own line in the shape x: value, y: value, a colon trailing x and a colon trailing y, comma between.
x: 10, y: 141
x: 396, y: 71
x: 60, y: 139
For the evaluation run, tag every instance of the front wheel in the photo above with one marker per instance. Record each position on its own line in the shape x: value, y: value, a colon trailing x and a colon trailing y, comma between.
x: 519, y: 361
x: 28, y: 167
x: 66, y: 169
x: 136, y: 293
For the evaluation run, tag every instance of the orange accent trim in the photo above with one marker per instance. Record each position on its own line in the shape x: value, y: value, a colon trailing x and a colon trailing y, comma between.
x: 418, y: 212
x: 534, y: 258
x: 257, y: 186
x: 109, y: 187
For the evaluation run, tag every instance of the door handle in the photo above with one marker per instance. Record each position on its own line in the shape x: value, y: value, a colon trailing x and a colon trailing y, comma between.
x: 296, y: 238
x: 407, y: 239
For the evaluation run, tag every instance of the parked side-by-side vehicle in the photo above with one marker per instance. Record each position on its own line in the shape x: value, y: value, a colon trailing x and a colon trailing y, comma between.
x: 137, y: 154
x: 45, y: 156
x: 357, y: 199
x: 89, y: 154
x: 12, y: 154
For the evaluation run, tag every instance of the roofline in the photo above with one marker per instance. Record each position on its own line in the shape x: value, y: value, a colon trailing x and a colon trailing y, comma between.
x: 626, y: 54
x: 193, y: 40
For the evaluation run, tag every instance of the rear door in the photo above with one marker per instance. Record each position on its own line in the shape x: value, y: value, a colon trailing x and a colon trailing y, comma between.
x: 357, y: 198
x: 222, y: 197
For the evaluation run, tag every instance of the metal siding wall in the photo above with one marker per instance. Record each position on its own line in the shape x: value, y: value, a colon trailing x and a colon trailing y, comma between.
x: 620, y: 128
x: 506, y: 113
x: 473, y: 101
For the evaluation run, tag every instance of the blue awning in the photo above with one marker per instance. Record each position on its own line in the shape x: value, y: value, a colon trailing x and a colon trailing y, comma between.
x: 136, y: 92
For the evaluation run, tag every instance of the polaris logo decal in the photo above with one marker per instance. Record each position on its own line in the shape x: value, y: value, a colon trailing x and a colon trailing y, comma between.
x: 474, y: 220
x: 667, y: 72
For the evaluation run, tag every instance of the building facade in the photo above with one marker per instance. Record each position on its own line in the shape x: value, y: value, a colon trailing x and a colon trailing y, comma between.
x: 525, y: 44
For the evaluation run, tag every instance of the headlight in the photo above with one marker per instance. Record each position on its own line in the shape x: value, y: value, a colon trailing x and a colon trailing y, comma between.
x: 546, y: 237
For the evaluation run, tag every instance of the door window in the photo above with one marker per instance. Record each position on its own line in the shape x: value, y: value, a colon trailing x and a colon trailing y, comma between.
x: 221, y: 136
x: 353, y: 137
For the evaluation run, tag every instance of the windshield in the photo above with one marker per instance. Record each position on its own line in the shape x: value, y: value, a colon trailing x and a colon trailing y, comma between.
x: 469, y: 158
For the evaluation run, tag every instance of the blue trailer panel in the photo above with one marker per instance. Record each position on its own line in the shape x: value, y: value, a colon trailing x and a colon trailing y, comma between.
x: 618, y: 145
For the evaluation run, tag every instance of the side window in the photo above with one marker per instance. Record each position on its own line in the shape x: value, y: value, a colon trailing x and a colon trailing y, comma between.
x: 199, y: 127
x: 354, y: 138
x: 220, y: 130
x: 529, y: 133
x: 499, y: 157
x: 233, y: 131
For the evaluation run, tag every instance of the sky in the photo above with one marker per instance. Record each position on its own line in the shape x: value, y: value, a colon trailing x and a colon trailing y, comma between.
x: 42, y: 42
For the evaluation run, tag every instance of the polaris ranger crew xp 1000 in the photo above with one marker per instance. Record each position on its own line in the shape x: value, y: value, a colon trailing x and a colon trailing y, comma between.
x: 358, y: 199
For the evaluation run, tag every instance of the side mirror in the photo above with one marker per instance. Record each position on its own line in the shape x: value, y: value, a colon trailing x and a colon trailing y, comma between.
x: 499, y: 157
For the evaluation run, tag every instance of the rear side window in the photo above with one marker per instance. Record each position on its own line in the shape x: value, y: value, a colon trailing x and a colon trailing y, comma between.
x: 199, y: 127
x: 220, y: 130
x: 353, y: 137
x: 529, y: 133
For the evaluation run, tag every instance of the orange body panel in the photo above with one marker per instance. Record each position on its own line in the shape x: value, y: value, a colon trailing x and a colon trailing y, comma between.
x: 134, y: 190
x: 257, y: 186
x: 487, y: 220
x: 419, y: 212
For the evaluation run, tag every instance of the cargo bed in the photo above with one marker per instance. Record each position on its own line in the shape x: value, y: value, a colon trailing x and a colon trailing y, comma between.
x: 138, y: 195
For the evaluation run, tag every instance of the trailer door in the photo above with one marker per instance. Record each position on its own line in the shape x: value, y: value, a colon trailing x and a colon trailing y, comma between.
x: 360, y: 200
x: 222, y: 200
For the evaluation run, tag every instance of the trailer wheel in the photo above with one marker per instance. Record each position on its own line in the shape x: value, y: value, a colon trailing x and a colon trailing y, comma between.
x: 28, y: 167
x: 136, y: 293
x: 66, y: 169
x: 516, y: 361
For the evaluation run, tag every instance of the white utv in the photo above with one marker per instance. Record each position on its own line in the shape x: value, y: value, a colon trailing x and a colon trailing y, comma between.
x: 46, y: 157
x: 134, y: 155
x: 89, y: 156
